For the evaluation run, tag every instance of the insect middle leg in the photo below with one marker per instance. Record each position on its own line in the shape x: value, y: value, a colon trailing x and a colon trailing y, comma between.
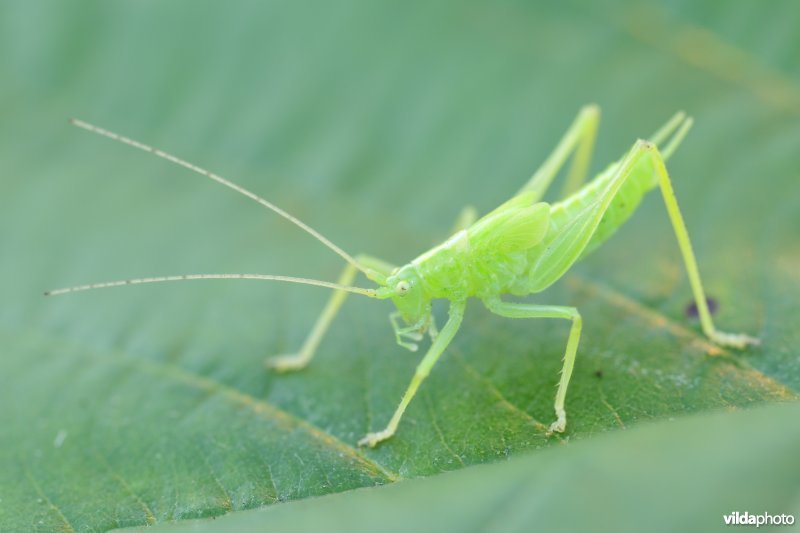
x: 520, y: 310
x: 296, y: 361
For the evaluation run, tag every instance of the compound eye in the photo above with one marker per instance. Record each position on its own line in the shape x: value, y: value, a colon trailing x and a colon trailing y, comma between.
x: 402, y: 288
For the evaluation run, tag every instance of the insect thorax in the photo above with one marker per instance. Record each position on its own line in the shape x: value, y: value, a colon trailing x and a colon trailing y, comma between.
x: 454, y: 270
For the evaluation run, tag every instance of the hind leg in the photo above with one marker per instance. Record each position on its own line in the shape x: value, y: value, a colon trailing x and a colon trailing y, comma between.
x: 519, y: 310
x: 736, y: 340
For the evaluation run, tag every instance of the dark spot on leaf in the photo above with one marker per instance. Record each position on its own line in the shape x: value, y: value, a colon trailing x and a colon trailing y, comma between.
x: 598, y: 374
x: 691, y: 309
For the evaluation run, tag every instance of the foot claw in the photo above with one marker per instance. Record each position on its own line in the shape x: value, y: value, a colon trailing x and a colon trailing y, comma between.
x: 286, y: 363
x: 414, y: 336
x: 372, y: 439
x: 734, y: 340
x: 410, y: 346
x: 559, y: 425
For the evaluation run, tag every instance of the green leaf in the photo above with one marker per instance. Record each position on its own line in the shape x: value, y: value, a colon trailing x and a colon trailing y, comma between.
x: 374, y: 123
x: 681, y: 476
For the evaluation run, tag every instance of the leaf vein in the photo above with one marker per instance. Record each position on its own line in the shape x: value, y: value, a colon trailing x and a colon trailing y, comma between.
x: 658, y: 320
x: 611, y: 408
x: 439, y: 432
x: 504, y: 402
x: 53, y: 507
x: 150, y: 518
x: 227, y: 502
x: 270, y: 411
x: 704, y: 49
x: 257, y: 406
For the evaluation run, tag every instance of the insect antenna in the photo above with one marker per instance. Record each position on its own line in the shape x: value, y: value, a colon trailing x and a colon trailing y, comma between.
x: 679, y: 122
x: 666, y: 130
x: 677, y: 138
x: 372, y: 293
x: 371, y: 274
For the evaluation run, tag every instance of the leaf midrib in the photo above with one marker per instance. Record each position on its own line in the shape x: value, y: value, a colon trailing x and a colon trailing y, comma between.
x: 256, y: 405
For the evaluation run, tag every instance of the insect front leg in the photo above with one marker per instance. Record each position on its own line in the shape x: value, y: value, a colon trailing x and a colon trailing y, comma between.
x: 736, y: 340
x: 296, y: 361
x: 519, y: 310
x: 579, y: 139
x: 456, y: 313
x: 404, y: 334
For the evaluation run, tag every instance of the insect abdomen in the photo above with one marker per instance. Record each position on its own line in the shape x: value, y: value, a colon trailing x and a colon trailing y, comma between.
x: 456, y: 269
x: 622, y: 207
x: 567, y: 242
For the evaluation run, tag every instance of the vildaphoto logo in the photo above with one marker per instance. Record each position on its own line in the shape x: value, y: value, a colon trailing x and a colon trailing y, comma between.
x: 764, y: 519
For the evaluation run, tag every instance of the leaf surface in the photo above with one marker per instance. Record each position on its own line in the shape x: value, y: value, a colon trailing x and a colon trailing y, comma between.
x: 375, y: 124
x: 618, y: 479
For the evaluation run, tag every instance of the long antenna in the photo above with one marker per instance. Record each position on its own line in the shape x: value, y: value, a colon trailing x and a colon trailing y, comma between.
x: 677, y: 138
x: 372, y: 293
x: 219, y: 179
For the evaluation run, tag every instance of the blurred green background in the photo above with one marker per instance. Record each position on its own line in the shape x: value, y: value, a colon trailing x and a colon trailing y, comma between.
x: 374, y: 122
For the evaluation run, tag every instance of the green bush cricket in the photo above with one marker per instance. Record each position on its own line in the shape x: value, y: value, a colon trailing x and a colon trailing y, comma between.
x: 520, y: 248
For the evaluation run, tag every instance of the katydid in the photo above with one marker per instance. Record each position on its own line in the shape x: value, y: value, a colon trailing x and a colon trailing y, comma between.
x: 520, y: 248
